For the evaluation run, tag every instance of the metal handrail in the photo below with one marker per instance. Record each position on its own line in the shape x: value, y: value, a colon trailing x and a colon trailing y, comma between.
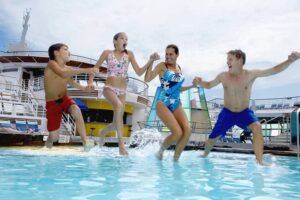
x: 69, y: 121
x: 134, y: 85
x: 281, y: 103
x: 16, y: 92
x: 161, y: 127
x: 298, y: 132
x: 45, y: 53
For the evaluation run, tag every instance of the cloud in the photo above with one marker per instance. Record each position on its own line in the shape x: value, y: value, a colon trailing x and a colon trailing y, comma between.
x: 204, y: 31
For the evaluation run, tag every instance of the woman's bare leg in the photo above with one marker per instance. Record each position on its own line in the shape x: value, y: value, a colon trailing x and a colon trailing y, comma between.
x: 170, y: 121
x: 183, y: 121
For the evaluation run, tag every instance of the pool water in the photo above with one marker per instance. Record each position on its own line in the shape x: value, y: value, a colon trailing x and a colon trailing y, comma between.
x: 70, y: 173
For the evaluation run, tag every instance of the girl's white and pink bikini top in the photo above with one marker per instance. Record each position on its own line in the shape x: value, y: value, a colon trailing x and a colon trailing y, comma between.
x: 115, y: 67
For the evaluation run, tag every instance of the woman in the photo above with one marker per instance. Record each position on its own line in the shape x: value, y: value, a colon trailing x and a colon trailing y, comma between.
x: 168, y: 106
x: 116, y: 83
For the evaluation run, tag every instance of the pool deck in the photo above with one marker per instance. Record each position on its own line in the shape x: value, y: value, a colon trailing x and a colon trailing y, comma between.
x: 276, y: 149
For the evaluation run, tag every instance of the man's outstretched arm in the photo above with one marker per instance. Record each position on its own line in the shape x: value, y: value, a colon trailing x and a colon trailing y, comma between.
x: 278, y: 68
x: 209, y: 84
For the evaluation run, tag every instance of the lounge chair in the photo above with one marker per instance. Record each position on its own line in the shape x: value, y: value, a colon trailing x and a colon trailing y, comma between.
x: 21, y: 126
x: 33, y: 125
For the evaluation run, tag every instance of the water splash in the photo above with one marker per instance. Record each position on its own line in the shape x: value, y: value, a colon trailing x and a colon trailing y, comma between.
x: 142, y: 143
x: 143, y: 138
x: 145, y: 142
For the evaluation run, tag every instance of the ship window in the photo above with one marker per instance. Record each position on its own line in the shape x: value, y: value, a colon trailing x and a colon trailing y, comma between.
x: 9, y: 70
x: 102, y: 116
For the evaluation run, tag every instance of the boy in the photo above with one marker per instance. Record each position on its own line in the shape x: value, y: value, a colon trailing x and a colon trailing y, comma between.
x: 237, y: 83
x: 57, y: 77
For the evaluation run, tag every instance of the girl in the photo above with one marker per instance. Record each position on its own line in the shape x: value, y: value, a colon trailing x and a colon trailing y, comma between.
x: 116, y: 83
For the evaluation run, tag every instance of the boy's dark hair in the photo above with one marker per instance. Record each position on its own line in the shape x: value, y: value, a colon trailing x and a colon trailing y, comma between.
x: 173, y: 46
x: 55, y: 47
x: 238, y: 54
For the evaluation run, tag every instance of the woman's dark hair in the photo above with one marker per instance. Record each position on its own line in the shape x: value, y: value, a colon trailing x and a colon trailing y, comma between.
x: 116, y: 36
x: 173, y: 46
x: 55, y: 47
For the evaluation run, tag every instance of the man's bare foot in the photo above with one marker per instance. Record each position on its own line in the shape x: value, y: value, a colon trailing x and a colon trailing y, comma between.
x: 123, y: 151
x: 203, y: 155
x: 261, y: 163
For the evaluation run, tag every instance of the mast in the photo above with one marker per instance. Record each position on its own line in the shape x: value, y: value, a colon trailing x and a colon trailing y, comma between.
x: 22, y: 45
x: 25, y: 25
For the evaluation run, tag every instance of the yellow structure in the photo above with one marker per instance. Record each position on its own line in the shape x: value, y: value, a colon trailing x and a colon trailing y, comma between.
x: 93, y: 128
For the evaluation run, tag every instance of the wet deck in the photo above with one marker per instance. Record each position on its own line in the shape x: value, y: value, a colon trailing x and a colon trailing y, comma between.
x: 275, y: 149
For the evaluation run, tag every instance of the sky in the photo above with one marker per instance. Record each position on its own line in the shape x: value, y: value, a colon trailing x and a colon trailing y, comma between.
x: 267, y: 31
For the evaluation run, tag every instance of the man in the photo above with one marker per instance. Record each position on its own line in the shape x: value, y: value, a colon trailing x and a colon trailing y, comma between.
x: 57, y: 77
x: 237, y: 83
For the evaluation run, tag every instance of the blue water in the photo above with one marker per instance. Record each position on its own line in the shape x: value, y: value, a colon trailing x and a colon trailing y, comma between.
x: 69, y: 173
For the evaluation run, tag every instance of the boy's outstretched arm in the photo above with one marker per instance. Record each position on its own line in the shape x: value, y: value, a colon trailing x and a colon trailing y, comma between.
x: 67, y: 71
x: 101, y: 59
x: 77, y: 85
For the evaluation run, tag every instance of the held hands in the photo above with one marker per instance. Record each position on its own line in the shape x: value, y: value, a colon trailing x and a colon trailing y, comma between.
x: 195, y: 82
x: 90, y: 87
x: 294, y: 56
x: 93, y: 70
x: 155, y: 56
x: 198, y: 80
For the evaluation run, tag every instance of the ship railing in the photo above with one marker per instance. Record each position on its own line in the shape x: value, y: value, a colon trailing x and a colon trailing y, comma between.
x: 271, y: 130
x: 284, y: 103
x: 7, y: 78
x: 197, y: 126
x: 13, y: 94
x: 45, y: 54
x: 135, y: 85
x: 69, y: 123
x: 38, y: 83
x: 27, y: 93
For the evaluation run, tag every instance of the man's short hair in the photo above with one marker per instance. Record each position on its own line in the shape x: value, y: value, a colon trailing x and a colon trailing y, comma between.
x: 55, y: 47
x: 238, y: 54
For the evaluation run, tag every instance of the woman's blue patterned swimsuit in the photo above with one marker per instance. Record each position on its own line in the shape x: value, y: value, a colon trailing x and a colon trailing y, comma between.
x: 171, y: 83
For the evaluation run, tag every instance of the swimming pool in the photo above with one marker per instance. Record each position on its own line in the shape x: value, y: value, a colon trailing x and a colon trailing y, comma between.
x: 69, y: 173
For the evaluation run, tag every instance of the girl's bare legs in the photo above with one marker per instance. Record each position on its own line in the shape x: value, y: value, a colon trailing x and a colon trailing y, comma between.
x: 170, y: 121
x: 118, y: 108
x: 103, y: 133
